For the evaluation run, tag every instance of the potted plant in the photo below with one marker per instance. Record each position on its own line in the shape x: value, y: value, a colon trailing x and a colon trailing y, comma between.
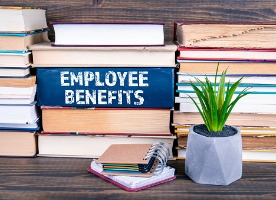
x: 214, y: 150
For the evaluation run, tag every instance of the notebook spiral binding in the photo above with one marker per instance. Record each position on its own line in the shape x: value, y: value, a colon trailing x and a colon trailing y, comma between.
x: 161, y: 153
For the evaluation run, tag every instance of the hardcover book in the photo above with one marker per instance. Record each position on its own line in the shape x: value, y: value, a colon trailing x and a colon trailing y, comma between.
x: 247, y: 155
x: 91, y: 146
x: 21, y: 41
x: 45, y: 55
x: 14, y: 72
x: 108, y: 121
x: 19, y: 113
x: 108, y: 34
x: 28, y: 81
x: 17, y: 95
x: 235, y: 119
x: 106, y: 87
x: 18, y: 143
x: 205, y: 67
x: 15, y: 59
x: 253, y: 138
x: 226, y: 35
x: 22, y: 19
x: 226, y: 54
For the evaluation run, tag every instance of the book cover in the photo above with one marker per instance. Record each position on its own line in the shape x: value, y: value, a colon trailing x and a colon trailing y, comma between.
x: 106, y: 87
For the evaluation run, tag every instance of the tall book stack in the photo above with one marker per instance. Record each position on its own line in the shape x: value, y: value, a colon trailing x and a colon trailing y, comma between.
x: 245, y: 50
x: 102, y: 84
x: 19, y: 28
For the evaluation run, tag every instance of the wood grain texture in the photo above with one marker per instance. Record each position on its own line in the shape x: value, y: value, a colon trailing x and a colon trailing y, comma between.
x: 166, y: 11
x: 67, y: 178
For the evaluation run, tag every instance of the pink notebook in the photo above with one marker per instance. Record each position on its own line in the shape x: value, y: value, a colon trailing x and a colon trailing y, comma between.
x: 133, y: 184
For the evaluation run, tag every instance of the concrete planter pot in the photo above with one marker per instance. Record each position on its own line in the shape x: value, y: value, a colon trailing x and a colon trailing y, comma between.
x: 214, y: 160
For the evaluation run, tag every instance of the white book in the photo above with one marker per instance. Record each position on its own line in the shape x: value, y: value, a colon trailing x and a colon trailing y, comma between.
x: 251, y: 99
x: 17, y: 95
x: 91, y: 146
x: 10, y: 126
x: 14, y: 72
x: 238, y: 108
x: 18, y: 114
x: 108, y: 34
x: 184, y: 77
x: 21, y: 19
x: 18, y: 91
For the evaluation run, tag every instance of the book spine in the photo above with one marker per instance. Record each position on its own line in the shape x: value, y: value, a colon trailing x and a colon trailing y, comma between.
x: 106, y: 87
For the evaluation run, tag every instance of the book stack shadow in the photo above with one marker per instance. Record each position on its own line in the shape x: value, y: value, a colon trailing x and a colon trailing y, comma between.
x: 245, y: 50
x: 19, y: 116
x: 102, y: 84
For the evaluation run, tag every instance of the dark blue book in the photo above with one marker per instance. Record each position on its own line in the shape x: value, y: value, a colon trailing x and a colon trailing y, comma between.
x: 128, y: 87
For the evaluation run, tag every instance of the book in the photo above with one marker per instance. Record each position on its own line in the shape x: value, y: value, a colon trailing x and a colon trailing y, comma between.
x: 226, y: 54
x: 247, y: 78
x: 108, y: 34
x: 134, y: 184
x: 17, y: 95
x: 22, y: 19
x: 227, y: 35
x: 260, y: 98
x: 253, y: 138
x: 236, y: 119
x: 91, y: 146
x: 21, y: 127
x: 239, y: 108
x: 247, y: 155
x: 106, y: 87
x: 45, y: 55
x: 124, y: 121
x: 134, y: 159
x: 14, y: 71
x: 19, y: 113
x: 18, y: 143
x: 15, y: 59
x: 28, y: 81
x: 204, y: 67
x: 254, y: 88
x: 21, y: 41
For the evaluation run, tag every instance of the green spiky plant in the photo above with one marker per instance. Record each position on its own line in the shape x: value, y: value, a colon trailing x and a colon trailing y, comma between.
x: 215, y: 103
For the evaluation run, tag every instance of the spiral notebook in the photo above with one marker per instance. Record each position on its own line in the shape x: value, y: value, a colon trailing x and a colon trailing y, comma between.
x: 134, y: 159
x: 134, y: 183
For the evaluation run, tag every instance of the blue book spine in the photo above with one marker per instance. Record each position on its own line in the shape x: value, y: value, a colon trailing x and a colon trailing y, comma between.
x: 106, y: 87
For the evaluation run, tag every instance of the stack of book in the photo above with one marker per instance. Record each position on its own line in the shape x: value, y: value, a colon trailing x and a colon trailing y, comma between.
x: 19, y: 28
x: 102, y: 84
x: 245, y: 50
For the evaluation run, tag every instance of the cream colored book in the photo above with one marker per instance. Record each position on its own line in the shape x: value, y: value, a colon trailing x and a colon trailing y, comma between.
x: 45, y: 55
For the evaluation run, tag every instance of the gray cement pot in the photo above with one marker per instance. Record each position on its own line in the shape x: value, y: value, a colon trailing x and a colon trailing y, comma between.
x: 214, y: 160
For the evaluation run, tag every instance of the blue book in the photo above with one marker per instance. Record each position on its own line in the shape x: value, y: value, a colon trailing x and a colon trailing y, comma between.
x: 127, y: 87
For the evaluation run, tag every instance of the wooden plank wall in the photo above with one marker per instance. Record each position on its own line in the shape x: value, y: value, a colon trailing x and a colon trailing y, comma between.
x: 166, y: 11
